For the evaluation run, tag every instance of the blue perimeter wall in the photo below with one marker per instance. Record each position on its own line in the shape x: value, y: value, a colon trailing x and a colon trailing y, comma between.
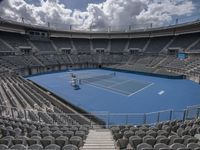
x: 147, y: 74
x: 119, y: 70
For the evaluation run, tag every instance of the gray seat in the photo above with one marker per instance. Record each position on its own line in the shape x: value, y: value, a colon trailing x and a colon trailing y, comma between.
x: 144, y: 146
x: 163, y: 132
x: 52, y: 147
x: 82, y: 134
x: 152, y: 133
x: 122, y: 143
x: 76, y: 140
x: 61, y: 141
x: 20, y: 140
x: 117, y: 136
x: 70, y: 147
x: 18, y: 147
x: 140, y: 133
x: 47, y: 141
x: 190, y: 140
x: 7, y: 140
x: 193, y: 146
x: 177, y: 146
x: 150, y: 141
x: 57, y: 133
x: 35, y: 147
x: 85, y: 129
x: 159, y: 146
x: 134, y: 128
x: 172, y: 138
x: 33, y: 140
x: 135, y: 141
x: 3, y: 147
x: 128, y: 134
x: 115, y: 129
x: 69, y: 134
x: 46, y: 133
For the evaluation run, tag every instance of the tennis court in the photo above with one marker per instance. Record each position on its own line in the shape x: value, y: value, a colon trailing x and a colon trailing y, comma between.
x: 123, y: 93
x: 113, y: 83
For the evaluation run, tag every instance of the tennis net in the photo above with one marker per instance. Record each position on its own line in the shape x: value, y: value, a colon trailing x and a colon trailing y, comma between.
x: 92, y: 79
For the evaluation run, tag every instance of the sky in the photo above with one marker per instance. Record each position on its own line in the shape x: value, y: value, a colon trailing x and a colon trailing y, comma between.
x: 100, y: 13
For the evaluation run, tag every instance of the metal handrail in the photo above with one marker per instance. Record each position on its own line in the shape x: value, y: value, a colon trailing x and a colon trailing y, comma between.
x: 126, y: 118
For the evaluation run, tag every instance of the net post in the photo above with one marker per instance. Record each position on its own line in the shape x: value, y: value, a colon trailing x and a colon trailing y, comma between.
x: 158, y: 117
x: 108, y: 120
x: 126, y: 119
x: 145, y: 118
x: 198, y: 112
x: 171, y: 114
x: 184, y: 114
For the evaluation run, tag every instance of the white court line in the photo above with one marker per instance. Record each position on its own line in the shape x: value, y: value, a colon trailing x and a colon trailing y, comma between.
x: 113, y: 89
x: 117, y: 91
x: 141, y: 89
x: 108, y: 90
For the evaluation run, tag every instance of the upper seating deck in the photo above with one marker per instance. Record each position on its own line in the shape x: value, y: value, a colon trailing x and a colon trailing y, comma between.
x: 15, y: 40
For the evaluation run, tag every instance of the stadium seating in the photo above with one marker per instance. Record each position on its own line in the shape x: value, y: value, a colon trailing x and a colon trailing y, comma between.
x: 15, y: 40
x: 43, y: 45
x: 174, y: 135
x: 82, y: 45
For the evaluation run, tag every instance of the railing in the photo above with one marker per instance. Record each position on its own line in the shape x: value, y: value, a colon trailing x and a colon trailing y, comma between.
x: 110, y: 119
x: 123, y: 28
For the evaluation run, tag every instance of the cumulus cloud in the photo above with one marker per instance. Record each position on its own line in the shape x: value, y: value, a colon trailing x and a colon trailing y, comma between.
x: 108, y: 13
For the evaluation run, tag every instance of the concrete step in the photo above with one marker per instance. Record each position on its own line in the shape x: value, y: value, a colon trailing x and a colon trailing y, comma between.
x: 99, y: 147
x: 99, y: 139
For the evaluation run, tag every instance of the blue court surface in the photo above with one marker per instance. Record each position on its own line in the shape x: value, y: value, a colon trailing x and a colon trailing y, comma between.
x: 122, y: 92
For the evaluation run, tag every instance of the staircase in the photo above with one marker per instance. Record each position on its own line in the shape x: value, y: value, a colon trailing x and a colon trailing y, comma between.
x: 99, y: 139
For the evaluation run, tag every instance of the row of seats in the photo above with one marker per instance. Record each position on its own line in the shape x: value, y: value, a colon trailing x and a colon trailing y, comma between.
x: 24, y: 134
x: 182, y: 133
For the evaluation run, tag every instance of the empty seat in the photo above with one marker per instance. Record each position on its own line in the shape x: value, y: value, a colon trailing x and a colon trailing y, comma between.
x: 33, y: 140
x: 20, y: 140
x: 7, y: 140
x: 135, y: 141
x: 70, y: 147
x: 52, y: 147
x: 128, y: 134
x: 159, y: 146
x: 150, y: 140
x: 152, y: 133
x: 122, y: 143
x: 193, y: 146
x: 56, y: 134
x: 46, y: 133
x: 163, y: 132
x: 69, y: 134
x: 3, y: 147
x: 61, y: 141
x: 117, y: 136
x: 176, y: 139
x: 76, y: 140
x: 140, y: 133
x: 177, y: 146
x: 47, y: 141
x: 144, y: 146
x: 82, y: 134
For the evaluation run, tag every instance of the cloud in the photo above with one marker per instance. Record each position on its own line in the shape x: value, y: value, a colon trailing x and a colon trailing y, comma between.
x: 108, y: 13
